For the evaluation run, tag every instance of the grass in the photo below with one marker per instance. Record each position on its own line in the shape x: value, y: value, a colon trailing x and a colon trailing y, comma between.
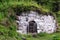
x: 54, y: 36
x: 12, y: 4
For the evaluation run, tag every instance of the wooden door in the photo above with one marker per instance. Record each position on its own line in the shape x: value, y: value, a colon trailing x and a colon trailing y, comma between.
x: 32, y: 28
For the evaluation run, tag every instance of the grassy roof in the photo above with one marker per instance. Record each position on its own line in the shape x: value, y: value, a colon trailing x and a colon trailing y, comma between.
x: 23, y: 5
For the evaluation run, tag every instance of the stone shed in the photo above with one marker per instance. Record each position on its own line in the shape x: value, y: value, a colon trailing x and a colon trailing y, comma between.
x: 35, y: 22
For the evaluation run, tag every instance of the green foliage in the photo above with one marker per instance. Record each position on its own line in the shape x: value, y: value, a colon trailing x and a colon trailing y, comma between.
x: 42, y: 34
x: 12, y: 33
x: 3, y: 30
x: 7, y: 38
x: 27, y: 36
x: 8, y: 9
x: 56, y: 37
x: 1, y: 16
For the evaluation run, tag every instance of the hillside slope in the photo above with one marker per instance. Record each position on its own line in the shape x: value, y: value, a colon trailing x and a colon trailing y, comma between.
x: 8, y: 24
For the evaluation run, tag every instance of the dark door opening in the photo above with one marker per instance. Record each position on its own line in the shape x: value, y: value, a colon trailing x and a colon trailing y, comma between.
x: 32, y: 28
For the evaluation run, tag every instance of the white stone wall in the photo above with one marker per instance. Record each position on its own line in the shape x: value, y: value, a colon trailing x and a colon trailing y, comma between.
x: 45, y: 23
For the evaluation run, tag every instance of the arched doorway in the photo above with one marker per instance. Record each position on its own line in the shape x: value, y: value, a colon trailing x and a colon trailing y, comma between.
x: 32, y: 28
